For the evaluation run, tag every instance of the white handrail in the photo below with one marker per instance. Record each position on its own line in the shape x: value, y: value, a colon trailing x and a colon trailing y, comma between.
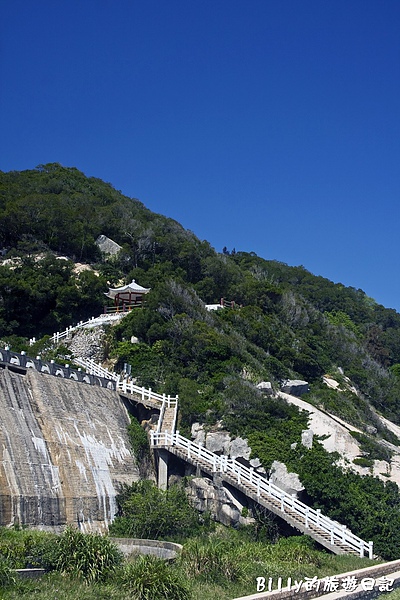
x: 131, y: 388
x: 56, y: 337
x: 94, y: 368
x: 261, y: 486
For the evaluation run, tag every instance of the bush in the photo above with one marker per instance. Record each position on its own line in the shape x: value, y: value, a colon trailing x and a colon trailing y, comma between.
x: 7, y: 576
x: 140, y: 446
x: 28, y: 548
x: 151, y: 578
x: 147, y: 512
x: 214, y: 560
x: 91, y: 557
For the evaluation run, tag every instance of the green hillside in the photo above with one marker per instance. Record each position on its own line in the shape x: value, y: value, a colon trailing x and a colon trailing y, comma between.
x: 288, y: 323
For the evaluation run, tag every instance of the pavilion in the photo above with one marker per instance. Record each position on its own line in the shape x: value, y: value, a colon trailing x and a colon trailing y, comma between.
x: 127, y: 296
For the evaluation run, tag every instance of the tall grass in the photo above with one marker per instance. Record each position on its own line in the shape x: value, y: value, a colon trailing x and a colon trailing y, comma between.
x: 151, y: 578
x: 89, y: 556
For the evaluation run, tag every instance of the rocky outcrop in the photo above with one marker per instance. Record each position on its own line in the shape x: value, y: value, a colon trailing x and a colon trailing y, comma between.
x: 226, y: 505
x: 288, y: 482
x: 108, y: 246
x: 266, y: 388
x: 64, y: 450
x: 220, y: 442
x: 87, y: 343
x: 295, y: 387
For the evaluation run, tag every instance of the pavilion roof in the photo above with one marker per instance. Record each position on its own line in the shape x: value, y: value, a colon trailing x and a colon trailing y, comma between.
x: 126, y: 290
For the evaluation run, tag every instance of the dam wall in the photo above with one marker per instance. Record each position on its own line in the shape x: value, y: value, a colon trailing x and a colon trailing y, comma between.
x: 64, y: 450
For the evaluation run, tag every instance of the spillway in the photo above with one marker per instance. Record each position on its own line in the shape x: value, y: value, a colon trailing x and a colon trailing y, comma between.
x: 64, y: 451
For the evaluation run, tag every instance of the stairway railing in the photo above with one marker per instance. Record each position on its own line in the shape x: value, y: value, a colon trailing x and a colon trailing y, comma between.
x: 146, y: 393
x: 262, y: 487
x: 104, y: 318
x: 94, y: 368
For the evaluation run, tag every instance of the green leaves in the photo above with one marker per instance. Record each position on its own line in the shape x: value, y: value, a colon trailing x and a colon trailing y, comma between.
x: 147, y: 512
x: 91, y: 556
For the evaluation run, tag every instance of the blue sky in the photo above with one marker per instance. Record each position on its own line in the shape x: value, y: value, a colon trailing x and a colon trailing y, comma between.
x: 268, y: 126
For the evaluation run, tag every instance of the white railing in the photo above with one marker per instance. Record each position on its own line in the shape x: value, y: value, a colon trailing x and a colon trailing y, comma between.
x: 168, y: 402
x: 93, y: 321
x: 263, y: 488
x: 146, y: 394
x: 56, y: 337
x: 128, y: 387
x: 93, y: 368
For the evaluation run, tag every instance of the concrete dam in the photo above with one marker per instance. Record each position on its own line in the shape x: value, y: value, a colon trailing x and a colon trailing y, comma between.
x: 64, y: 450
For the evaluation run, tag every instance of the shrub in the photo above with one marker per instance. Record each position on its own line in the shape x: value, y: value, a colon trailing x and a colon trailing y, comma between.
x: 88, y: 556
x: 213, y: 560
x: 147, y: 512
x: 151, y: 578
x: 6, y: 573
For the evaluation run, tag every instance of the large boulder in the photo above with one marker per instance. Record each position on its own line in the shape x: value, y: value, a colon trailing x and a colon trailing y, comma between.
x: 218, y: 442
x: 213, y: 497
x: 266, y: 388
x: 288, y: 482
x: 307, y: 438
x: 295, y: 387
x: 239, y: 448
x: 108, y: 246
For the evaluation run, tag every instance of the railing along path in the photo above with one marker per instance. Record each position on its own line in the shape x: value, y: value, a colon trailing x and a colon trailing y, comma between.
x: 168, y: 406
x: 265, y: 491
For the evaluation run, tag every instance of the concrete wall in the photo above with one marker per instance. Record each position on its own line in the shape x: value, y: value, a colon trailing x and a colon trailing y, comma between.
x: 63, y: 451
x: 166, y: 550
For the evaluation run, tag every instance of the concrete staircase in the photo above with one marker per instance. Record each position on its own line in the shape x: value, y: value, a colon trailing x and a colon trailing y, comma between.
x: 330, y: 534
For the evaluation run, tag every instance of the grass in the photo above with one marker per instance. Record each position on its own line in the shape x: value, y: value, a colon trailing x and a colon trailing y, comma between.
x: 222, y: 565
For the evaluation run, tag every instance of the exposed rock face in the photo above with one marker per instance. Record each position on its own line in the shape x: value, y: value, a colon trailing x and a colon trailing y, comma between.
x: 295, y: 387
x: 63, y: 451
x: 214, y: 497
x: 221, y: 442
x: 288, y: 482
x: 87, y: 343
x: 307, y: 438
x: 266, y: 387
x: 218, y: 442
x: 108, y: 246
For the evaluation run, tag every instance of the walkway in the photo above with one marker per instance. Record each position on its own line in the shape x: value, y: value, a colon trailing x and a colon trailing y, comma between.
x: 330, y: 534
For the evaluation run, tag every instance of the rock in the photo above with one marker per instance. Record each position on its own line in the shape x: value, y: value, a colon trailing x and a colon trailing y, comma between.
x: 239, y: 448
x: 108, y: 246
x: 371, y: 430
x: 288, y: 482
x: 295, y: 387
x: 255, y: 463
x: 213, y: 497
x: 198, y: 434
x: 265, y: 387
x: 218, y: 442
x: 307, y: 438
x: 87, y: 343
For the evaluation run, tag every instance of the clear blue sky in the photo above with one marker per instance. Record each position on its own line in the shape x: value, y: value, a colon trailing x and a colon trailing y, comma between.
x: 270, y: 126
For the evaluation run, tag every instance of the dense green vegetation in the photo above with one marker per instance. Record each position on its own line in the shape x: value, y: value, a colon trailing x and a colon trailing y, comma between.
x: 146, y: 512
x: 223, y: 565
x: 289, y: 324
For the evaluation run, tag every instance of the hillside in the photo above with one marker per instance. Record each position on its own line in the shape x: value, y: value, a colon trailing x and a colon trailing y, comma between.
x: 288, y: 324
